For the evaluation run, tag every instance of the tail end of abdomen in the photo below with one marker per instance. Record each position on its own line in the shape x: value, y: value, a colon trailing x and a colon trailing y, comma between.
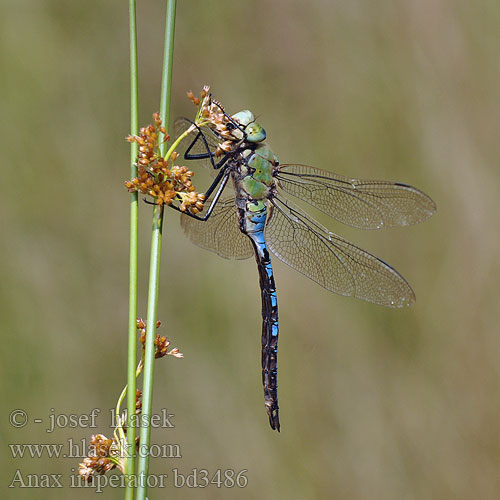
x: 274, y: 416
x: 270, y: 329
x: 270, y: 366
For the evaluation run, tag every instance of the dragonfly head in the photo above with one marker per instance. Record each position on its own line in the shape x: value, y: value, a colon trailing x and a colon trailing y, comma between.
x: 253, y: 130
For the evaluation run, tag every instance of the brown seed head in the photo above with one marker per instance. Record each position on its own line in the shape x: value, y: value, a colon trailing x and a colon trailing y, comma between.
x: 97, y: 460
x: 154, y: 178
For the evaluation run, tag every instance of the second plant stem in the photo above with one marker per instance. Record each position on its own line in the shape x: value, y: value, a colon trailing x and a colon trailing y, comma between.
x: 154, y: 269
x: 149, y: 356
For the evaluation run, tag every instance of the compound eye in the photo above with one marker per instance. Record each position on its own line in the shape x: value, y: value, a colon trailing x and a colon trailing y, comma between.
x: 255, y: 133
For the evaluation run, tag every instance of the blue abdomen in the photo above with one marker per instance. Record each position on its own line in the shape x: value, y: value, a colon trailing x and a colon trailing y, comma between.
x: 253, y: 215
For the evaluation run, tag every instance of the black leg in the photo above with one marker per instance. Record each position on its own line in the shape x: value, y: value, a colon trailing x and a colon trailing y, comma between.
x: 204, y: 156
x: 198, y: 156
x: 224, y: 172
x: 224, y: 175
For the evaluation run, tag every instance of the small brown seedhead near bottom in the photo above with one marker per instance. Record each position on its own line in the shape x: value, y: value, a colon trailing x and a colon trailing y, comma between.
x: 99, y: 459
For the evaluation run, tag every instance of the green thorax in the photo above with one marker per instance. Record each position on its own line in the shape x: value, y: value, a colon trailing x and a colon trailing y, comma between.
x: 256, y: 171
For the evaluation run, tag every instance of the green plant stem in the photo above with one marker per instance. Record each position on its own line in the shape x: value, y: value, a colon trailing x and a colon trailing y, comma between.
x: 134, y: 209
x: 154, y: 270
x: 168, y: 59
x: 149, y: 356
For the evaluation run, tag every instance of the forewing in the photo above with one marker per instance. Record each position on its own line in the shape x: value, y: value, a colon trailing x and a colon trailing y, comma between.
x: 220, y: 233
x: 366, y: 204
x: 329, y: 260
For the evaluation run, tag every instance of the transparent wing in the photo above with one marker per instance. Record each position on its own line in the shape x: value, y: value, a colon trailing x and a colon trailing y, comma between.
x: 366, y: 204
x: 202, y: 141
x: 329, y: 260
x: 220, y: 233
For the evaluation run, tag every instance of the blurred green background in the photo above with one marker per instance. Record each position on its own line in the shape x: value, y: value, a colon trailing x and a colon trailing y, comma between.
x: 375, y: 403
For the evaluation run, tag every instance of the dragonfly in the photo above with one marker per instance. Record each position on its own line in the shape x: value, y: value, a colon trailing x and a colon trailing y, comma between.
x: 258, y: 217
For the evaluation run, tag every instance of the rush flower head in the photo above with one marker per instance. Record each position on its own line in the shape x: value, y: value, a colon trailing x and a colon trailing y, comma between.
x: 157, y: 176
x: 161, y: 343
x: 102, y: 457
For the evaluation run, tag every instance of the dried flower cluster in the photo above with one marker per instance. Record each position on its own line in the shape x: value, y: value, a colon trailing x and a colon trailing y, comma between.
x: 160, y: 178
x: 161, y: 343
x: 102, y: 457
x: 105, y: 454
x: 214, y: 116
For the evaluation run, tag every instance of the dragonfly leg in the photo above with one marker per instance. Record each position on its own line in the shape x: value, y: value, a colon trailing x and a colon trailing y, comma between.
x: 221, y: 178
x: 204, y: 156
